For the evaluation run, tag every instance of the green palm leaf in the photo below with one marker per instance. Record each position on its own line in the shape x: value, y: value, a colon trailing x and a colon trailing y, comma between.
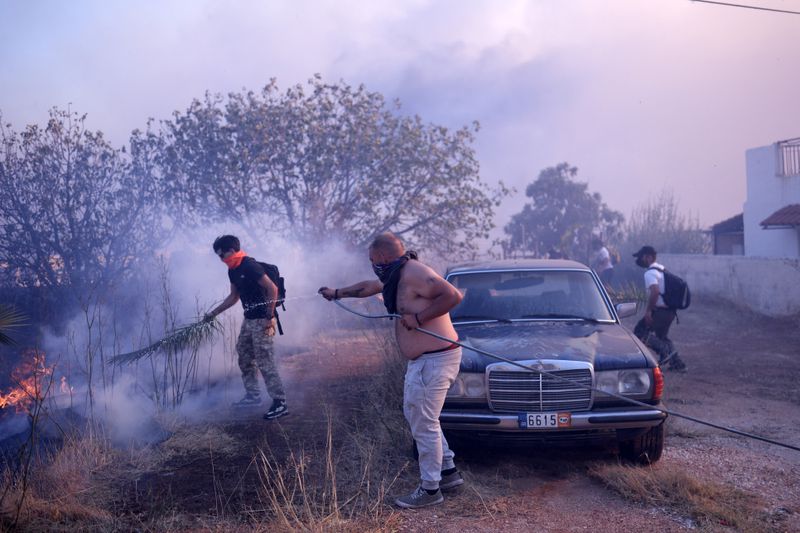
x: 9, y: 319
x: 182, y: 338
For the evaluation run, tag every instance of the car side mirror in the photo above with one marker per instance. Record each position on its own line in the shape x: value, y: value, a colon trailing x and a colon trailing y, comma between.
x: 626, y: 309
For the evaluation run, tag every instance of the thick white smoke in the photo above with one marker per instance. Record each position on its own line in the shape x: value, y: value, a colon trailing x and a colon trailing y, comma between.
x: 129, y: 399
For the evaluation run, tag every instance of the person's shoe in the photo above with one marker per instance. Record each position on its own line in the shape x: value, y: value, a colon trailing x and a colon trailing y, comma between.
x: 277, y: 410
x: 677, y: 365
x: 451, y: 481
x: 249, y: 400
x: 419, y: 498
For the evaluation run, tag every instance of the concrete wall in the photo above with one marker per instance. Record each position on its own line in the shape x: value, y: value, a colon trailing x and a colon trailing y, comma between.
x: 766, y: 285
x: 766, y: 193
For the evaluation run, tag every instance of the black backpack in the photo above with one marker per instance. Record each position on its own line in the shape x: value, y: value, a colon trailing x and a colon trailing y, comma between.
x: 274, y: 275
x: 676, y: 293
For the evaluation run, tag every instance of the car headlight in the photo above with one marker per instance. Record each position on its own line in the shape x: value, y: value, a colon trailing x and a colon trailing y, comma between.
x: 634, y: 381
x: 629, y: 382
x: 468, y: 385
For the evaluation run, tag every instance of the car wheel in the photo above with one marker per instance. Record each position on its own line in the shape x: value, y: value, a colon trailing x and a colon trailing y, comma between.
x: 644, y: 449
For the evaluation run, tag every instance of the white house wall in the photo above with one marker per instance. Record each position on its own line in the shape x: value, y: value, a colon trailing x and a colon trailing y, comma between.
x: 767, y: 286
x: 766, y: 193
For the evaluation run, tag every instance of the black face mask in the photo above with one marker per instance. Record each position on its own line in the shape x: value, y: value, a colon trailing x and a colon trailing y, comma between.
x: 640, y: 262
x: 385, y: 270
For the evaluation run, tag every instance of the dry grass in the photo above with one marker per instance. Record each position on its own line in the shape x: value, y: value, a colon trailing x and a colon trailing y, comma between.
x: 709, y: 503
x: 627, y: 292
x: 64, y: 488
x: 334, y: 490
x: 342, y: 485
x: 187, y: 439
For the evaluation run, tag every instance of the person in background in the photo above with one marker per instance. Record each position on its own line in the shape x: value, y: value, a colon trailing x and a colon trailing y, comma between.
x: 600, y: 261
x: 653, y: 328
x: 422, y: 298
x: 251, y: 285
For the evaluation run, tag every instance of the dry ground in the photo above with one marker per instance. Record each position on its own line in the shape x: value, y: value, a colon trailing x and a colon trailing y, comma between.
x: 743, y: 372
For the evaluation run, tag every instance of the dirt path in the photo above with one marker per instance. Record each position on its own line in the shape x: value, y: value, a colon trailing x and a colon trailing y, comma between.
x: 743, y: 372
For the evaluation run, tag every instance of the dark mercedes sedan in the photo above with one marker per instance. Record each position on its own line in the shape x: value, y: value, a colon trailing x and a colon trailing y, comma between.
x: 555, y: 318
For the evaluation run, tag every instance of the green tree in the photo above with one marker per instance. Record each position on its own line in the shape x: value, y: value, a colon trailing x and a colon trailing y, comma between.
x: 325, y: 160
x: 561, y: 215
x: 74, y: 212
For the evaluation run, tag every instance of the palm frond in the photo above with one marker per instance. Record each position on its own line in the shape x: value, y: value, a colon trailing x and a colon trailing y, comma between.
x: 10, y: 319
x: 182, y: 338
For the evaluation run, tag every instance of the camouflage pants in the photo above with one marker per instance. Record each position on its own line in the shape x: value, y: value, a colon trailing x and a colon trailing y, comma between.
x: 255, y: 350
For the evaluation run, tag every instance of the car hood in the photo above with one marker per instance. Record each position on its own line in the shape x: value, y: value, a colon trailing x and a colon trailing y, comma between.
x: 606, y: 346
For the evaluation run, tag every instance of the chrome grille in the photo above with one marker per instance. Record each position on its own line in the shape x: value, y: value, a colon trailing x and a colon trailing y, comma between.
x: 515, y: 391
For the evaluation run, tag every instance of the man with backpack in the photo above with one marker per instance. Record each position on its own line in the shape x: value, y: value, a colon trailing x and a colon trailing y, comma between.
x: 251, y: 284
x: 653, y: 328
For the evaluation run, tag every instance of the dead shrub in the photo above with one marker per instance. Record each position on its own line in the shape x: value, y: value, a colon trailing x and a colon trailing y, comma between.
x: 707, y: 502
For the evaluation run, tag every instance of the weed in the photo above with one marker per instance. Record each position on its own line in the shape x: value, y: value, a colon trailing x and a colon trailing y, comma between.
x: 707, y: 502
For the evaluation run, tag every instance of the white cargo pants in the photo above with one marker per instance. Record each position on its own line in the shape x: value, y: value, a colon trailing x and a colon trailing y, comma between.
x: 427, y: 381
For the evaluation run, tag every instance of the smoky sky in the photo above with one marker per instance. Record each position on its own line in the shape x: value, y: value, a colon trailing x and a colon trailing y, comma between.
x: 641, y: 96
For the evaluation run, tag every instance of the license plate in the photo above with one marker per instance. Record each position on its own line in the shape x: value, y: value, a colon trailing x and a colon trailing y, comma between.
x: 544, y: 420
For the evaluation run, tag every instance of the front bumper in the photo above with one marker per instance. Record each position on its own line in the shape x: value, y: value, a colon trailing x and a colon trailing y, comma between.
x: 484, y: 420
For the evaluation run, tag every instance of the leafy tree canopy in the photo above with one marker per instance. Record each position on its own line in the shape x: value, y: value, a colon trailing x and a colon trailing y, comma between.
x: 562, y: 215
x: 74, y: 212
x: 325, y: 160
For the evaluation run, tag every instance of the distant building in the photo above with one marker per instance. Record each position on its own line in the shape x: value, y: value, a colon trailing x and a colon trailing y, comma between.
x: 728, y: 236
x: 772, y: 209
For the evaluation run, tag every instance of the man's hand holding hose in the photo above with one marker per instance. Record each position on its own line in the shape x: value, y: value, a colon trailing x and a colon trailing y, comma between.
x: 328, y: 293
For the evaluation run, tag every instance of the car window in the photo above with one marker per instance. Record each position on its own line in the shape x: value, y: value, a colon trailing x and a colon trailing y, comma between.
x: 528, y: 294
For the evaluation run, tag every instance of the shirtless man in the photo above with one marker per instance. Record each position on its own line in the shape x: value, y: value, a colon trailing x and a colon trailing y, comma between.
x: 423, y: 299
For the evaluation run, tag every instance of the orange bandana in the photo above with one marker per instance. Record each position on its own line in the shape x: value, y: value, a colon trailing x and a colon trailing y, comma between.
x: 235, y: 259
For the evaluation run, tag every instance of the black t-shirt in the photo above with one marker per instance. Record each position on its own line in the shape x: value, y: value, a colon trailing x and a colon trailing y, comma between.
x: 245, y: 277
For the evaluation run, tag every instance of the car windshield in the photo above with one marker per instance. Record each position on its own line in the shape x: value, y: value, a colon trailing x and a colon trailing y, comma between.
x: 529, y: 294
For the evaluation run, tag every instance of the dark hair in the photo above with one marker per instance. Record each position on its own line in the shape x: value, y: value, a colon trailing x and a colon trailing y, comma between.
x: 225, y: 243
x: 645, y: 250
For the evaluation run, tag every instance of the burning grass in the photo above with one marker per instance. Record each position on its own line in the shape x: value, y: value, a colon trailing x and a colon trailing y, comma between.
x: 709, y: 503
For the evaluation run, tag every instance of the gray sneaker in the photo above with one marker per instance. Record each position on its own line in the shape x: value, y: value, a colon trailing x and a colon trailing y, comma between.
x: 451, y: 481
x: 249, y: 400
x: 419, y: 498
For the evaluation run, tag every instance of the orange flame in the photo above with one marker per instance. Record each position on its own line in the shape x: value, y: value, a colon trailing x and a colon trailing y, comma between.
x: 30, y: 380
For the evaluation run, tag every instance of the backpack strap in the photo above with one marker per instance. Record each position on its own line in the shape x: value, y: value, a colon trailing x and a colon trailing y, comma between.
x: 278, y: 320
